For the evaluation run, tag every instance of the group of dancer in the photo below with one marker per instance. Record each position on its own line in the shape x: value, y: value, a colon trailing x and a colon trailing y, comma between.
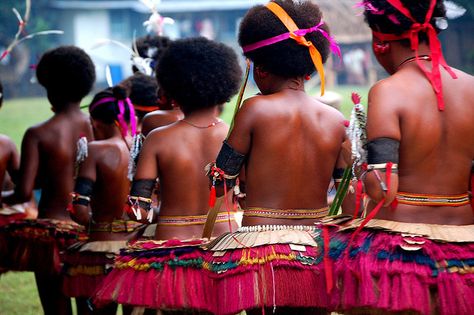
x: 410, y: 250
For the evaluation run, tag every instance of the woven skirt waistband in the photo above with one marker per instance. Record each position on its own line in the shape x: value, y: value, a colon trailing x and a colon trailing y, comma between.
x: 286, y: 213
x: 171, y: 220
x: 433, y: 200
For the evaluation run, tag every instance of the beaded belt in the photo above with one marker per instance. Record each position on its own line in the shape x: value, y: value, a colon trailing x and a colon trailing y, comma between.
x: 432, y: 200
x: 275, y: 227
x: 286, y: 213
x: 116, y: 226
x: 185, y: 220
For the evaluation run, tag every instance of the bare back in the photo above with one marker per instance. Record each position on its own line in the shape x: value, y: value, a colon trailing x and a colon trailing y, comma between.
x: 107, y: 167
x: 178, y: 154
x: 48, y: 155
x: 9, y: 159
x: 436, y: 147
x: 292, y: 142
x: 160, y: 118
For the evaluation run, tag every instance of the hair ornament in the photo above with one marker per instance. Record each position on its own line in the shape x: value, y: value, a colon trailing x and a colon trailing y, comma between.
x: 297, y: 35
x: 121, y: 116
x: 22, y: 23
x: 453, y: 10
x: 437, y: 58
x: 155, y: 22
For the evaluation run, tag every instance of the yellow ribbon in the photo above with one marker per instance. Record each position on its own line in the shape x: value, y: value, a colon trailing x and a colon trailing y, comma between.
x: 292, y: 27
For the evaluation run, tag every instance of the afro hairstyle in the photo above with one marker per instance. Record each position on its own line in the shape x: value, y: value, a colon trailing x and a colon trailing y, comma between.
x: 67, y: 73
x: 394, y: 22
x: 143, y: 91
x: 108, y: 112
x: 151, y: 46
x: 287, y: 58
x: 199, y: 73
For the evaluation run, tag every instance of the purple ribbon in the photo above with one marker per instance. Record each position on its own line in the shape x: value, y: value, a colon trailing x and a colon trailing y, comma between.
x: 301, y: 32
x: 121, y: 116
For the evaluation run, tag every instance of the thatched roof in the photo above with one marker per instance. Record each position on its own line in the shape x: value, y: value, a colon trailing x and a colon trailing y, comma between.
x: 345, y: 22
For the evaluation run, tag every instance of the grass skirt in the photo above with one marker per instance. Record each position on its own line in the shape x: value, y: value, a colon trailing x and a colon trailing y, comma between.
x: 159, y: 275
x: 237, y: 271
x: 34, y: 245
x: 391, y: 271
x: 85, y: 266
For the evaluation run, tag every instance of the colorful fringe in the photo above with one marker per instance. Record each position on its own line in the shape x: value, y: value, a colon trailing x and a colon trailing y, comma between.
x: 85, y: 270
x: 285, y: 275
x: 34, y: 245
x: 182, y: 275
x: 393, y: 272
x: 159, y: 275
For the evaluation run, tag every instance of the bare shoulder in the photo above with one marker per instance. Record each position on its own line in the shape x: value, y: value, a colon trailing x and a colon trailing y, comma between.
x: 161, y: 134
x: 6, y: 142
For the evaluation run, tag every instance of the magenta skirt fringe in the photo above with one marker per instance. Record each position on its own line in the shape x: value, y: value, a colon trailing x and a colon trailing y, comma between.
x: 35, y: 245
x: 183, y: 276
x: 159, y: 275
x: 269, y: 276
x: 83, y: 272
x: 394, y: 273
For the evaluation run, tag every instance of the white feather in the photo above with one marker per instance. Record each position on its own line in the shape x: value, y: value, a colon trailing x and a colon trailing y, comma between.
x: 453, y: 10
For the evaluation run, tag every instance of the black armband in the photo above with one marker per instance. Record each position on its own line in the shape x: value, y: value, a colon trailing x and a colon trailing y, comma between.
x: 141, y: 192
x: 230, y: 162
x: 382, y: 150
x: 82, y: 191
x: 337, y: 174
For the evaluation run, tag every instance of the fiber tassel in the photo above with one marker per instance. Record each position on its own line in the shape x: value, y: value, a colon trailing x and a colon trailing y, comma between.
x: 81, y: 150
x: 327, y: 261
x: 150, y: 215
x: 212, y: 196
x: 137, y: 144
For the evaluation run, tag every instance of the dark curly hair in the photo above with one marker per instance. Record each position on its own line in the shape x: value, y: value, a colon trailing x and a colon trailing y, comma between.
x: 108, y: 112
x: 199, y: 73
x: 286, y: 58
x: 394, y: 22
x: 143, y: 91
x: 67, y: 73
x: 151, y: 46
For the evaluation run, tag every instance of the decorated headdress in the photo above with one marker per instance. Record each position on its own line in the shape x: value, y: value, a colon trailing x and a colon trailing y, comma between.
x: 297, y: 34
x: 437, y: 58
x: 121, y: 103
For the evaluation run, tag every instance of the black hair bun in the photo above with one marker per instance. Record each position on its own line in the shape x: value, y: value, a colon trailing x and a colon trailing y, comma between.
x: 120, y: 92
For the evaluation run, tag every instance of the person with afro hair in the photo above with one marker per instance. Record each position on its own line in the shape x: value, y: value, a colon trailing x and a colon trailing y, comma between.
x: 197, y: 75
x: 421, y: 146
x: 99, y: 195
x: 143, y: 94
x: 152, y: 47
x: 48, y: 155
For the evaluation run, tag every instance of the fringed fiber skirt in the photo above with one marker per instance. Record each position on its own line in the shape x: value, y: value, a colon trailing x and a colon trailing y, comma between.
x: 403, y: 267
x: 34, y: 245
x: 85, y: 266
x: 159, y: 275
x: 237, y: 271
x: 268, y: 267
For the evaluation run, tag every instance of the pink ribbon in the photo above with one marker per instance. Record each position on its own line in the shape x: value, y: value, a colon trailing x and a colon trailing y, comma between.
x: 121, y: 116
x: 301, y: 32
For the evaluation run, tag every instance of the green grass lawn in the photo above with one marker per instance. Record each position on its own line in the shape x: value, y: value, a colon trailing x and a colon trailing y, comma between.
x: 18, y: 290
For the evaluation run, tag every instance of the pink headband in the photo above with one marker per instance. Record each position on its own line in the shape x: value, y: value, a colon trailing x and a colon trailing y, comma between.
x: 301, y: 32
x: 121, y: 119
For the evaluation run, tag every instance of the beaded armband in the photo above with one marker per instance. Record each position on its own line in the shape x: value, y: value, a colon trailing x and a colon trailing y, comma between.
x: 140, y: 197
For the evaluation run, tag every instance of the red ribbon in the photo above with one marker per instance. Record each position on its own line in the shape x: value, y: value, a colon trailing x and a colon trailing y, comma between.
x: 437, y: 58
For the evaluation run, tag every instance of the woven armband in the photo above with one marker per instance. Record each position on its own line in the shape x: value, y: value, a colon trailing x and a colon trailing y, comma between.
x: 337, y: 174
x: 229, y: 162
x: 141, y: 192
x: 82, y: 191
x: 382, y: 150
